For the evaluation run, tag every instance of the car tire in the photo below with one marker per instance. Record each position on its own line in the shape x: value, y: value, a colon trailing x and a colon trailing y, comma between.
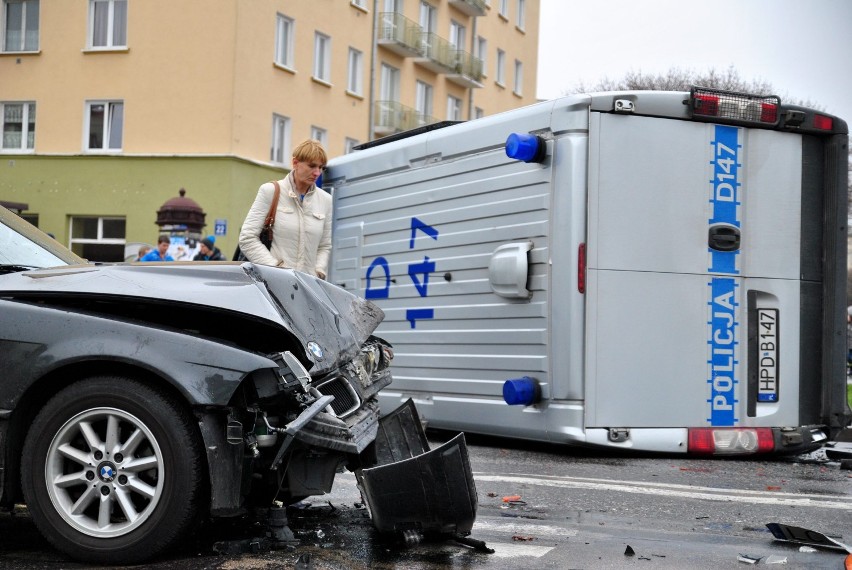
x: 113, y: 470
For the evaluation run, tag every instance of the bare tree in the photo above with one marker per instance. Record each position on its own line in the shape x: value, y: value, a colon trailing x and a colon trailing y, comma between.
x: 677, y: 79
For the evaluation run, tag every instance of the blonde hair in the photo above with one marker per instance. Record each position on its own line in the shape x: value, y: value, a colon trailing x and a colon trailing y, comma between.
x: 310, y: 151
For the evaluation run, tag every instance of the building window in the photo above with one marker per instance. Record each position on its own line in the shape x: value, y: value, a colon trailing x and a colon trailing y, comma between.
x: 18, y: 121
x: 359, y: 4
x: 501, y: 67
x: 280, y: 139
x: 454, y: 108
x: 319, y: 134
x: 107, y: 23
x: 322, y: 57
x: 519, y: 78
x: 389, y: 85
x: 522, y: 14
x: 457, y: 34
x: 423, y: 102
x: 428, y: 17
x: 503, y: 9
x: 349, y: 145
x: 98, y: 238
x: 482, y: 52
x: 20, y: 25
x: 478, y: 113
x: 284, y: 31
x: 356, y: 72
x: 105, y: 126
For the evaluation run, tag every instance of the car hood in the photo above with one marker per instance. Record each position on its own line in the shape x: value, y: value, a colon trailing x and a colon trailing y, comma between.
x: 310, y: 308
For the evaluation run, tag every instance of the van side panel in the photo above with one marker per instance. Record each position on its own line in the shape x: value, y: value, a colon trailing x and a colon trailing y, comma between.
x: 418, y: 239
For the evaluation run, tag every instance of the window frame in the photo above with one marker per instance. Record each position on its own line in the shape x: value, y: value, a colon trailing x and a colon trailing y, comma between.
x: 482, y: 53
x: 349, y: 145
x: 107, y: 132
x: 110, y: 41
x: 518, y: 86
x: 322, y: 57
x: 28, y: 116
x: 522, y: 15
x: 320, y: 134
x: 503, y: 9
x: 285, y: 31
x: 26, y: 9
x: 355, y: 74
x: 454, y: 108
x: 281, y: 131
x: 99, y: 239
x: 500, y: 72
x: 424, y: 95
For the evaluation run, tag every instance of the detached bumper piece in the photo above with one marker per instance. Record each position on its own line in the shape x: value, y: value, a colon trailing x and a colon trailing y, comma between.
x: 413, y: 490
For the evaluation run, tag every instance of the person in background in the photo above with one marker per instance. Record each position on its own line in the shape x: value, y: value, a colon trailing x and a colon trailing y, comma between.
x: 301, y: 235
x: 161, y: 253
x: 208, y: 251
x: 143, y: 249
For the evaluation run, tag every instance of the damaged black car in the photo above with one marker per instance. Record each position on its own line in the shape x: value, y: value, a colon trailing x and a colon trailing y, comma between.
x: 139, y: 399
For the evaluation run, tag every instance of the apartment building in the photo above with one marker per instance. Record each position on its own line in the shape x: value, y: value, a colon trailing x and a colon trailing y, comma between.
x: 109, y: 107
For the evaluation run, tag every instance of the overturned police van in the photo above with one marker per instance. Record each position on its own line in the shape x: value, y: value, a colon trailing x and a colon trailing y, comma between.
x: 640, y: 270
x: 139, y: 399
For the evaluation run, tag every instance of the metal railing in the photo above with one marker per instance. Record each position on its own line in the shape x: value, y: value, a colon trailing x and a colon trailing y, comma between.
x: 393, y: 116
x: 395, y: 27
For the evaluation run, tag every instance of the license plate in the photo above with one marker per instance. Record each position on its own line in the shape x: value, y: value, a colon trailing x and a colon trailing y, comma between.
x: 767, y: 355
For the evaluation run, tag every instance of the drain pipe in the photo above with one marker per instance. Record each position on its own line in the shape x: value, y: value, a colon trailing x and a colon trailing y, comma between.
x: 374, y: 47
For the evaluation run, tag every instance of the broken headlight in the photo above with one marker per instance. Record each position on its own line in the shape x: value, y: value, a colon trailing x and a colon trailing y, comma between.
x: 373, y: 358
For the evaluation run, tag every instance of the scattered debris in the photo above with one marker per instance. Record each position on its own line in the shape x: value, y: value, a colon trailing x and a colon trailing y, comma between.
x: 629, y: 551
x: 518, y: 537
x: 773, y: 488
x: 807, y: 549
x: 771, y: 559
x: 304, y: 562
x: 478, y: 545
x: 511, y: 498
x: 492, y: 494
x: 806, y: 536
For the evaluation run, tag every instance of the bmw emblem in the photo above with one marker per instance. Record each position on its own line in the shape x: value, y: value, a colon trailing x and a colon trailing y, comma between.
x: 107, y: 472
x: 315, y: 350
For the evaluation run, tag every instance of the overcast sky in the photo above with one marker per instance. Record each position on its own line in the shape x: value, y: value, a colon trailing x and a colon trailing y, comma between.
x: 803, y: 48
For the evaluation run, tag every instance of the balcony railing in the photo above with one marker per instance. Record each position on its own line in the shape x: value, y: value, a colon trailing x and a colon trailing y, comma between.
x: 470, y: 7
x: 392, y: 117
x: 438, y: 52
x: 406, y: 38
x: 399, y: 34
x: 467, y: 69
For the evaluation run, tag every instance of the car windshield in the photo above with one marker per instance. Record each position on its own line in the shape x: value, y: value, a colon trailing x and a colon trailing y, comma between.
x: 23, y: 246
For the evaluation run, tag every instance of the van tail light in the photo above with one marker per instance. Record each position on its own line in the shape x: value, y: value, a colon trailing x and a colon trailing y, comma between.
x: 730, y: 441
x: 736, y: 107
x: 581, y: 268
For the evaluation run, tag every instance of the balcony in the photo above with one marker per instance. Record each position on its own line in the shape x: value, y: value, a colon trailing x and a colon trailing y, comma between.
x: 436, y: 54
x: 399, y: 34
x: 470, y: 7
x: 467, y: 70
x: 393, y: 117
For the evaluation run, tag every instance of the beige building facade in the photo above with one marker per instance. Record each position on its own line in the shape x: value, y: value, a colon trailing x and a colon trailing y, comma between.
x: 109, y: 107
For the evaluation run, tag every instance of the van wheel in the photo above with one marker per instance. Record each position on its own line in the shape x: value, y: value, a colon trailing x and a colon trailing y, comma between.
x: 112, y: 470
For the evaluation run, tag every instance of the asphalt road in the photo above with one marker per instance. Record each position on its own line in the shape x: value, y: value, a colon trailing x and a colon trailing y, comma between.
x: 574, y: 509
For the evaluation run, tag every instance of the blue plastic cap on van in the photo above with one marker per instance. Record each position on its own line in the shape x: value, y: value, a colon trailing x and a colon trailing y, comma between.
x: 526, y: 147
x: 521, y: 391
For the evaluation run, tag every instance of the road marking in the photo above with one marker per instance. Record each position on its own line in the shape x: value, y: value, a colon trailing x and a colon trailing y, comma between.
x: 676, y: 491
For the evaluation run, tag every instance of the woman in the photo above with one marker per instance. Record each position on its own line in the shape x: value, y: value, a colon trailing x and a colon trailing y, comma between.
x: 302, y: 230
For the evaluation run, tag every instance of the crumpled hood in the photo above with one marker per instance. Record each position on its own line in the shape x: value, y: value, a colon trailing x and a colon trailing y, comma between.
x: 310, y: 308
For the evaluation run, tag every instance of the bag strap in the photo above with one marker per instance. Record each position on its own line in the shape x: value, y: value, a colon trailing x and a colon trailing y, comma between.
x: 270, y: 215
